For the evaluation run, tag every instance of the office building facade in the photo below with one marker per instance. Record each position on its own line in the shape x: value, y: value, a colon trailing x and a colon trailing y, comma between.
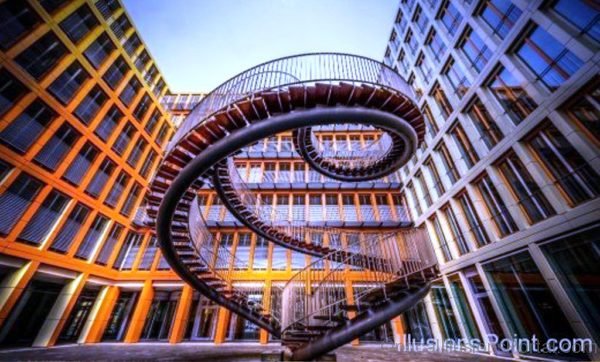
x: 507, y: 182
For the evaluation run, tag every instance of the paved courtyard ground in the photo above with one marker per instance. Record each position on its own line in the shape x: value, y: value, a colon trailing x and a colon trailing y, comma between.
x: 207, y: 352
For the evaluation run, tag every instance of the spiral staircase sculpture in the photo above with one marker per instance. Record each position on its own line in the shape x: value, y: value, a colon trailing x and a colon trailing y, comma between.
x: 301, y: 94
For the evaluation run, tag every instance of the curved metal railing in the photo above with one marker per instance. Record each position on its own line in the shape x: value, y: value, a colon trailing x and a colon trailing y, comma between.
x: 291, y: 70
x: 313, y: 292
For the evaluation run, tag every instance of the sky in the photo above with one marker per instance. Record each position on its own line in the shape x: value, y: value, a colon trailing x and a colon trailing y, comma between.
x: 199, y: 44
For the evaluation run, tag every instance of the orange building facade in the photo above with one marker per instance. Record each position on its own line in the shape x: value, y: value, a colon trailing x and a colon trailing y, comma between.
x: 85, y: 117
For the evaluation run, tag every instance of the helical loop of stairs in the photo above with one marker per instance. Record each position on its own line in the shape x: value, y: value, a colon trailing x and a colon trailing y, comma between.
x: 253, y: 106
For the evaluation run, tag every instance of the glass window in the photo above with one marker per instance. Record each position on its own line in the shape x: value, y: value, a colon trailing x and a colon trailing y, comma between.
x: 129, y: 250
x: 420, y: 181
x: 121, y: 26
x: 100, y: 179
x: 110, y: 120
x: 476, y: 229
x: 315, y: 212
x: 109, y: 245
x: 455, y: 230
x: 571, y: 173
x: 148, y: 163
x: 162, y: 134
x: 242, y: 251
x: 92, y: 237
x: 575, y: 261
x: 457, y: 78
x: 438, y: 185
x: 99, y: 50
x: 152, y: 122
x: 142, y: 108
x: 17, y: 198
x: 500, y: 15
x: 437, y: 45
x: 350, y: 213
x: 11, y: 90
x: 475, y: 49
x: 412, y: 42
x: 366, y: 207
x: 68, y: 83
x: 496, y: 207
x: 549, y: 59
x: 583, y: 14
x: 42, y: 55
x: 420, y: 19
x: 441, y: 100
x: 51, y: 155
x: 17, y: 18
x: 462, y: 304
x: 450, y: 17
x: 584, y: 109
x: 298, y: 208
x: 137, y: 151
x: 444, y: 313
x: 469, y: 155
x: 511, y: 94
x: 130, y: 91
x: 5, y: 169
x: 124, y: 138
x: 485, y: 125
x: 70, y: 229
x: 116, y: 72
x: 45, y: 218
x: 90, y: 105
x: 439, y: 234
x: 132, y: 44
x: 131, y: 199
x: 117, y: 188
x: 107, y: 7
x: 261, y: 254
x: 149, y: 254
x: 525, y: 300
x: 424, y: 68
x: 79, y: 23
x: 81, y: 164
x: 24, y: 130
x: 448, y: 164
x: 411, y: 191
x: 531, y: 199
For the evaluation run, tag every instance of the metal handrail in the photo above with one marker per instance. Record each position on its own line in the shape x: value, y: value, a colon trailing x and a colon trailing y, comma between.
x: 304, y: 69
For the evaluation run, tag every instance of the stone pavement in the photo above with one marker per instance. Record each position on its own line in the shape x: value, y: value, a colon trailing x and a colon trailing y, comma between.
x: 228, y: 352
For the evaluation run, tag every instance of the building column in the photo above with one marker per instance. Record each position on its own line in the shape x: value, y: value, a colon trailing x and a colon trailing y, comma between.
x: 182, y: 314
x: 222, y: 323
x: 13, y: 285
x: 138, y: 317
x: 59, y: 313
x: 350, y: 298
x: 398, y: 329
x: 266, y: 302
x: 100, y: 315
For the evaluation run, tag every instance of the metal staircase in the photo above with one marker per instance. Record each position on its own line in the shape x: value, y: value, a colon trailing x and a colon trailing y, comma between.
x: 299, y: 94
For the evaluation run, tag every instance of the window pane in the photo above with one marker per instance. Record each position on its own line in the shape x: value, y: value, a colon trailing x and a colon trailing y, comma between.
x: 27, y: 127
x: 57, y: 147
x: 68, y: 83
x: 11, y: 90
x: 79, y: 23
x: 525, y: 299
x: 548, y: 58
x: 70, y: 228
x: 16, y: 19
x: 42, y: 55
